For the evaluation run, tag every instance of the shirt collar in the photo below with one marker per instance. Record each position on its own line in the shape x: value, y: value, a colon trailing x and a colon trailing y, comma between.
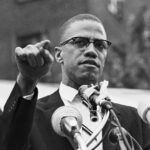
x: 67, y: 93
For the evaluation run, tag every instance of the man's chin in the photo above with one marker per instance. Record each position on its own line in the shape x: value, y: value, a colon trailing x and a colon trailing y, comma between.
x: 88, y: 79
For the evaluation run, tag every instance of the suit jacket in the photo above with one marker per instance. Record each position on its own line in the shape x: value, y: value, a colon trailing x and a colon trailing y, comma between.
x: 27, y: 124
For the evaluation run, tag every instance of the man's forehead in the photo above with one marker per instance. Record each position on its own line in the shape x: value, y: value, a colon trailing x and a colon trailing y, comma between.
x: 78, y: 28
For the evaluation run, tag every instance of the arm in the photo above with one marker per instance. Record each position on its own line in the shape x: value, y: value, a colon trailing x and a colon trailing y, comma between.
x: 33, y: 62
x: 146, y: 136
x: 18, y: 124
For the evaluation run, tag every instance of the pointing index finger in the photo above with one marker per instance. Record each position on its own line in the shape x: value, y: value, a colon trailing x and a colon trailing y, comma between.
x: 45, y: 44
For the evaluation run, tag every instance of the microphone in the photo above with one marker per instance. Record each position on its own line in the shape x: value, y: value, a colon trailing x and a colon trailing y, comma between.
x: 115, y: 137
x: 143, y: 109
x: 67, y: 121
x: 98, y: 97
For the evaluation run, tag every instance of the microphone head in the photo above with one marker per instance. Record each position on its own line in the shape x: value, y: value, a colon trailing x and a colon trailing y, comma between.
x: 86, y: 91
x: 82, y: 89
x: 115, y: 134
x: 62, y: 112
x: 143, y: 108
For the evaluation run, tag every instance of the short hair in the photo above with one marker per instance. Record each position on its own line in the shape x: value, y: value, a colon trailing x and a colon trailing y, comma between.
x: 79, y: 17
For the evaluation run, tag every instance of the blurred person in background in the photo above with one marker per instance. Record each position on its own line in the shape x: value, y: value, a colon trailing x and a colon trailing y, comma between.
x: 82, y: 51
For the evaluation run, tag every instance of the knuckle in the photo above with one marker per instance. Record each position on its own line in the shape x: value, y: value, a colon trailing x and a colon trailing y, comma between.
x: 31, y: 49
x: 29, y: 46
x: 17, y: 49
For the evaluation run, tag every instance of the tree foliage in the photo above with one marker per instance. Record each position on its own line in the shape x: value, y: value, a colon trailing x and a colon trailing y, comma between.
x: 128, y: 63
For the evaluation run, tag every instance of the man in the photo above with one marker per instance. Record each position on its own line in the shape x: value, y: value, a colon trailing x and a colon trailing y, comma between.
x: 81, y: 51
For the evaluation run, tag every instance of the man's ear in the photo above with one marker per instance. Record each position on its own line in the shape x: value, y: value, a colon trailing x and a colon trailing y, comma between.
x: 59, y: 54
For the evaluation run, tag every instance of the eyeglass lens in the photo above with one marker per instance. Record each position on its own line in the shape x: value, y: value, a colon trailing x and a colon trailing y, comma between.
x: 81, y: 42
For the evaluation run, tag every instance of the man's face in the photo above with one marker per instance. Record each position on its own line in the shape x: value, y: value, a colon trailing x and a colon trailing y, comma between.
x: 83, y: 64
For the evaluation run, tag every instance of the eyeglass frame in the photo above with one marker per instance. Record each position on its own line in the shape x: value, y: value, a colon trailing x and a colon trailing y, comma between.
x: 90, y: 41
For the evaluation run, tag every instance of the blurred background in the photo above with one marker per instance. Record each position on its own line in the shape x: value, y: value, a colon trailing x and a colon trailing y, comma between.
x: 127, y: 23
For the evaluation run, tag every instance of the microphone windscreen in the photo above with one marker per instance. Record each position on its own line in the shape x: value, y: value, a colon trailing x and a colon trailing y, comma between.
x: 142, y: 109
x: 87, y: 91
x: 60, y: 113
x: 82, y: 90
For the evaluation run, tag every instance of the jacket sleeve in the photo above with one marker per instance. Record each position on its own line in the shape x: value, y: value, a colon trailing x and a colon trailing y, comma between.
x: 16, y: 120
x: 146, y: 136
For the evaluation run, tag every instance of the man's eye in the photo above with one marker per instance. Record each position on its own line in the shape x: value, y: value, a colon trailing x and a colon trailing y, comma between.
x: 100, y: 45
x: 80, y: 42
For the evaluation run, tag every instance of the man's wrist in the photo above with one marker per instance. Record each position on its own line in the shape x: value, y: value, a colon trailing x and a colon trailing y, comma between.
x: 26, y: 85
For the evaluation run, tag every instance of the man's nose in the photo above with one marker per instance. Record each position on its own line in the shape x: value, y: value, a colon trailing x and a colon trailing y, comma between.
x: 91, y: 51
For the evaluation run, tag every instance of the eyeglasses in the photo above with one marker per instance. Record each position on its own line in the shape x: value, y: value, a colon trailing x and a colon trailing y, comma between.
x: 82, y: 42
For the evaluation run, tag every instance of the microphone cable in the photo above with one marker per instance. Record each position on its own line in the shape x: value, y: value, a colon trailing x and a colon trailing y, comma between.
x: 107, y: 105
x: 104, y: 136
x: 120, y: 129
x: 86, y: 129
x: 99, y: 129
x: 134, y: 140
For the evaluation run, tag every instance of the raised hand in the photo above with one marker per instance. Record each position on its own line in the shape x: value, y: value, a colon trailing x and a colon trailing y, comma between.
x: 33, y: 62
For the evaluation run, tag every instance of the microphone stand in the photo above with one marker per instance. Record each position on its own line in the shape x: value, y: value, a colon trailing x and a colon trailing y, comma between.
x: 124, y: 138
x: 78, y: 139
x: 106, y: 104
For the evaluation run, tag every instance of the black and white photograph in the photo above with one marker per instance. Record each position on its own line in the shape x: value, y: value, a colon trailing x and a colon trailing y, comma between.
x: 74, y: 75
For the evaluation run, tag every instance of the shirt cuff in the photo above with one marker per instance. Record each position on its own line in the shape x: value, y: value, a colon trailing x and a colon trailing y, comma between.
x: 28, y: 97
